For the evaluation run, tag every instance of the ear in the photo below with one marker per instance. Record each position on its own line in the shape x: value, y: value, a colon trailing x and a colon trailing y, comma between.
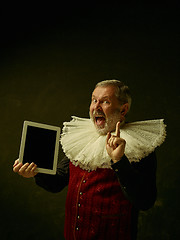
x: 124, y: 109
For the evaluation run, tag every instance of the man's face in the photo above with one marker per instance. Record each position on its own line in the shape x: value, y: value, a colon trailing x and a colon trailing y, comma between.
x: 105, y: 109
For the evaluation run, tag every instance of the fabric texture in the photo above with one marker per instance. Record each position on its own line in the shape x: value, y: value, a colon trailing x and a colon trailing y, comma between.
x: 83, y: 145
x: 137, y: 181
x: 96, y: 207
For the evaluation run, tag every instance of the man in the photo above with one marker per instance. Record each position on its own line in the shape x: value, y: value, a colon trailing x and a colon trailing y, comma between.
x: 105, y: 189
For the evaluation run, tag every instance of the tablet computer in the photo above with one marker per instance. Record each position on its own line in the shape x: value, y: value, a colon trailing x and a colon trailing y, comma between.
x: 40, y: 144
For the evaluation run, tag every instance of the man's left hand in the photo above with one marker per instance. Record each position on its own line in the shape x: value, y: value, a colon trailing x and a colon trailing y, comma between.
x: 115, y: 145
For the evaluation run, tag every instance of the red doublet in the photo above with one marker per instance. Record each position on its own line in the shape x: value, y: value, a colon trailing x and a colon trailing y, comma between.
x: 96, y: 207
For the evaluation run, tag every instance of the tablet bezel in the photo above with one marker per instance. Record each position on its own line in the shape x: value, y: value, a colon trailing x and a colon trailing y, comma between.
x: 23, y: 141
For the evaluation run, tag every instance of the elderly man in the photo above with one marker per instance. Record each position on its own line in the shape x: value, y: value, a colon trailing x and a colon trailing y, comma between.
x: 108, y: 180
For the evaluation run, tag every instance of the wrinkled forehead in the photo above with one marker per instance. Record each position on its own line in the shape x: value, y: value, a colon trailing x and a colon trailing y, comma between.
x: 104, y: 92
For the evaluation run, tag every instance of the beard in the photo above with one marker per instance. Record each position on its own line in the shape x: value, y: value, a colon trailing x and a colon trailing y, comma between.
x: 110, y: 122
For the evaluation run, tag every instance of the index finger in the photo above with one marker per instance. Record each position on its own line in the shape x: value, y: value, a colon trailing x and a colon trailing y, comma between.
x: 17, y: 167
x: 117, y: 133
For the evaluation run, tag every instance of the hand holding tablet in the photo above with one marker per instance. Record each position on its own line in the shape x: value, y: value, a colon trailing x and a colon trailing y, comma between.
x: 27, y: 170
x: 39, y: 149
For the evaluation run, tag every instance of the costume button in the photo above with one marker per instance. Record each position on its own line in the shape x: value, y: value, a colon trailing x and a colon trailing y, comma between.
x: 84, y: 181
x: 80, y: 193
x: 116, y: 170
x: 79, y: 204
x: 78, y: 217
x: 77, y: 229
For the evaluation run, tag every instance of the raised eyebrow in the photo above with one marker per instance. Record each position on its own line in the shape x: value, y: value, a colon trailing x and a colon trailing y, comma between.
x: 93, y: 97
x: 103, y: 98
x: 106, y: 98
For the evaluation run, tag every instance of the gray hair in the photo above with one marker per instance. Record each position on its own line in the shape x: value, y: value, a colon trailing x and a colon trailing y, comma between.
x: 122, y: 91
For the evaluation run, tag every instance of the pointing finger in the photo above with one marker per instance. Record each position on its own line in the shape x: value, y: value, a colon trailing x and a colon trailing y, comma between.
x: 117, y: 134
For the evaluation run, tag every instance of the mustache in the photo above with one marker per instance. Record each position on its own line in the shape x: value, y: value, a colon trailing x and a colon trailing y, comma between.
x: 98, y: 113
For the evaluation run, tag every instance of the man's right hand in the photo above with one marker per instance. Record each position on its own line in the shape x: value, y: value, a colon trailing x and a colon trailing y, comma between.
x: 27, y: 170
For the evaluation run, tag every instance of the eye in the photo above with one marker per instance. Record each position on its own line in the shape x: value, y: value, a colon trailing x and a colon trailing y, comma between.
x: 94, y: 100
x: 106, y: 102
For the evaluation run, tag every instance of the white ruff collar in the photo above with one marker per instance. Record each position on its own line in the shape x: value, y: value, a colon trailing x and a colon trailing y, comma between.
x: 83, y: 145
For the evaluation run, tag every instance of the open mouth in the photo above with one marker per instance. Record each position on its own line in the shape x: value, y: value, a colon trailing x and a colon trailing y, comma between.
x: 100, y: 121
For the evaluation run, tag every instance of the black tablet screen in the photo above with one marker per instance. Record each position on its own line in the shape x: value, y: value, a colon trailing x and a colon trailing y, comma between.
x: 40, y: 147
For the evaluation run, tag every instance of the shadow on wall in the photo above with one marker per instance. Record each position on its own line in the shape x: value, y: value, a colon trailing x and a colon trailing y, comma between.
x: 47, y: 74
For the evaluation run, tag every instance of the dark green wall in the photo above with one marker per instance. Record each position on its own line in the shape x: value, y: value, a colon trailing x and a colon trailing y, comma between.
x: 49, y: 63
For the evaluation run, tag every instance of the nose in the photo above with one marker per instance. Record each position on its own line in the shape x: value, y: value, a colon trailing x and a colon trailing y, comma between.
x: 98, y: 105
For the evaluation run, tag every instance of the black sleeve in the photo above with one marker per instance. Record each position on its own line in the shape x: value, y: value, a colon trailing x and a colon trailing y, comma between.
x: 138, y: 180
x: 55, y: 183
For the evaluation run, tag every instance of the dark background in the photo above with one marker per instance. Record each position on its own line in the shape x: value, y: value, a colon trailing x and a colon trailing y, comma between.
x: 50, y: 59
